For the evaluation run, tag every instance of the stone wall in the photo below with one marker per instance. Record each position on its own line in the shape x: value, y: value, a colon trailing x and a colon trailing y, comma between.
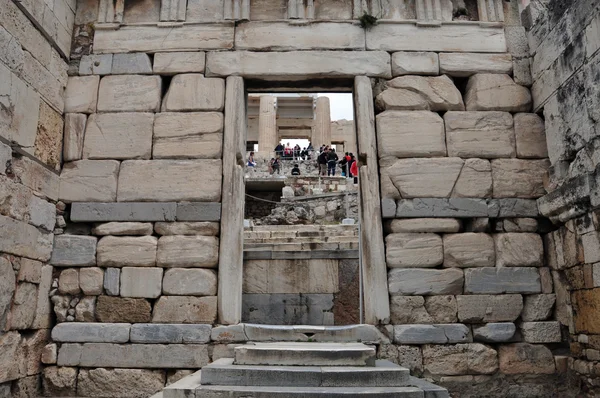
x: 564, y: 40
x: 34, y: 46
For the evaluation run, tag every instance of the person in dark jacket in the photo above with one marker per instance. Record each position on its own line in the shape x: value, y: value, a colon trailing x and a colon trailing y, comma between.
x: 332, y: 159
x: 322, y: 161
x: 279, y: 150
x: 295, y: 170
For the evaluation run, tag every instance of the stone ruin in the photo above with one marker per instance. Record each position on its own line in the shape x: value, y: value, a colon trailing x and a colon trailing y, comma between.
x: 124, y: 264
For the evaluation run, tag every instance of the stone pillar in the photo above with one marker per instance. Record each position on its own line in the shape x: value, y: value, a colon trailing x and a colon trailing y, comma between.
x: 374, y: 268
x: 231, y: 250
x: 322, y: 127
x: 267, y: 124
x: 173, y: 10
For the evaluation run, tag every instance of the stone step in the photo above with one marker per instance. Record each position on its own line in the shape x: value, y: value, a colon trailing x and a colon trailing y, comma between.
x: 304, y: 239
x: 307, y: 392
x: 283, y: 247
x: 303, y: 228
x: 294, y: 234
x: 384, y: 374
x: 305, y: 354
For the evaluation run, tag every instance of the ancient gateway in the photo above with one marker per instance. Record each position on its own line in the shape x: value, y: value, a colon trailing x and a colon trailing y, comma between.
x: 463, y: 262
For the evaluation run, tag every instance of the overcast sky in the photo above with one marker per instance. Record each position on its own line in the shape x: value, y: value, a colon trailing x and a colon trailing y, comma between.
x: 341, y: 105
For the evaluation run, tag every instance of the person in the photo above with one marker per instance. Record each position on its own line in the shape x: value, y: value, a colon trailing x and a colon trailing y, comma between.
x: 251, y: 162
x: 332, y: 159
x: 322, y: 161
x: 271, y: 165
x: 350, y: 161
x: 279, y: 150
x: 295, y: 170
x: 276, y: 165
x: 287, y: 152
x: 304, y: 154
x: 354, y: 170
x: 343, y: 165
x: 296, y: 151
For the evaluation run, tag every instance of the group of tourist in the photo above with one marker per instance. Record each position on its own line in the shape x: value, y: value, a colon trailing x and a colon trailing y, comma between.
x: 288, y: 153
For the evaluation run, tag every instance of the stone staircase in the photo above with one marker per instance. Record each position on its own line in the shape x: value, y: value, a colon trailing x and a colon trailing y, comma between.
x: 305, y: 369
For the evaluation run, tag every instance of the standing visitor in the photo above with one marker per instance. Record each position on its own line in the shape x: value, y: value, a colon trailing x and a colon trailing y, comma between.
x: 279, y: 150
x: 332, y: 159
x: 251, y: 162
x: 354, y: 171
x: 322, y: 161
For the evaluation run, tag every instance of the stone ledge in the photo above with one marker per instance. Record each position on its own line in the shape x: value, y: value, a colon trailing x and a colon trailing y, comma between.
x: 198, y: 211
x: 432, y: 334
x: 145, y: 211
x: 76, y: 332
x: 460, y: 208
x: 299, y: 255
x: 570, y: 200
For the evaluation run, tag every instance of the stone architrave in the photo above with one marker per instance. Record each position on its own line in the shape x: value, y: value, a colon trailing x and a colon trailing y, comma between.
x: 322, y: 126
x: 267, y: 124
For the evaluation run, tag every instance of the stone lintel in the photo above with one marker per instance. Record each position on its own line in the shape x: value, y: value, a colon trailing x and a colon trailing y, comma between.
x: 142, y: 211
x: 462, y: 208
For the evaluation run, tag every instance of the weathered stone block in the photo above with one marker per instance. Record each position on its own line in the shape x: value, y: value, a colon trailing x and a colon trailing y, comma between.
x: 443, y: 309
x: 49, y: 354
x: 76, y: 332
x: 475, y: 179
x: 194, y: 92
x: 420, y: 93
x: 198, y: 211
x: 188, y: 135
x: 85, y: 310
x: 119, y: 382
x: 119, y: 310
x: 494, y: 332
x: 432, y: 334
x: 519, y: 250
x: 410, y: 134
x: 60, y: 381
x: 439, y: 225
x: 415, y: 63
x: 43, y: 317
x: 526, y: 358
x: 74, y: 251
x: 112, y: 281
x: 190, y: 282
x: 502, y: 280
x: 141, y: 282
x: 469, y: 250
x: 119, y: 136
x: 520, y: 224
x: 98, y: 212
x: 229, y: 334
x: 484, y: 308
x: 530, y: 135
x: 179, y: 62
x: 68, y: 282
x: 412, y: 250
x: 480, y: 134
x: 23, y: 308
x: 81, y: 94
x: 183, y: 309
x: 409, y: 310
x: 123, y: 228
x: 460, y: 359
x: 95, y: 64
x: 25, y: 240
x: 91, y: 281
x: 152, y: 333
x: 438, y: 207
x: 89, y: 181
x: 424, y: 282
x: 188, y: 251
x: 538, y: 307
x: 515, y: 178
x: 187, y: 228
x: 541, y: 332
x: 496, y: 92
x: 129, y: 93
x: 467, y: 64
x: 139, y: 63
x: 73, y: 136
x: 170, y: 180
x: 127, y: 251
x: 30, y: 271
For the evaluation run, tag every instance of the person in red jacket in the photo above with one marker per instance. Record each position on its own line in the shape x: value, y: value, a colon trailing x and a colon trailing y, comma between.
x: 354, y: 170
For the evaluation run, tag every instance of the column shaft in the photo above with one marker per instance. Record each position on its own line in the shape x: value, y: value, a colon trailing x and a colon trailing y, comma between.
x: 267, y: 124
x: 322, y: 129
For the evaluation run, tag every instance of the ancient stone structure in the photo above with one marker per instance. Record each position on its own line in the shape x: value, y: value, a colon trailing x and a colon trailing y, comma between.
x: 123, y: 131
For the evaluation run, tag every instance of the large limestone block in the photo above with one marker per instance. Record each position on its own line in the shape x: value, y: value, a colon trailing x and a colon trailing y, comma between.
x: 475, y: 180
x: 170, y: 180
x: 188, y: 135
x: 410, y: 134
x: 496, y: 92
x: 123, y: 228
x: 524, y: 358
x: 538, y: 307
x: 128, y: 64
x: 190, y: 282
x: 541, y: 332
x: 413, y: 250
x: 425, y: 282
x: 91, y: 281
x: 439, y: 225
x: 415, y: 63
x: 130, y: 93
x: 516, y: 178
x: 60, y: 380
x: 421, y: 93
x: 127, y: 251
x: 78, y: 332
x: 486, y: 308
x: 185, y: 309
x: 519, y: 250
x: 68, y: 282
x: 170, y: 334
x: 188, y: 251
x: 299, y: 65
x: 187, y: 228
x: 119, y: 382
x: 81, y: 94
x: 73, y: 136
x: 179, y: 62
x: 74, y: 251
x: 89, y: 181
x: 24, y: 240
x: 409, y: 310
x: 23, y: 307
x: 140, y: 282
x: 420, y: 177
x: 283, y: 36
x: 480, y: 134
x: 432, y: 334
x: 152, y: 38
x: 194, y: 92
x: 460, y: 359
x: 502, y: 280
x: 530, y: 134
x: 43, y: 312
x: 123, y: 310
x: 291, y: 276
x: 469, y: 250
x: 467, y: 64
x: 118, y: 136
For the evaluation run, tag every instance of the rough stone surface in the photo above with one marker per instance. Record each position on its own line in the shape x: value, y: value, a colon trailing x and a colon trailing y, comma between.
x: 443, y: 309
x: 188, y: 135
x: 496, y: 92
x: 425, y: 282
x: 91, y: 281
x: 502, y: 280
x: 416, y: 309
x: 484, y: 308
x: 541, y: 332
x: 89, y: 181
x: 81, y: 94
x: 139, y: 211
x: 526, y: 358
x: 123, y: 228
x: 515, y: 178
x: 60, y: 381
x: 530, y: 136
x: 467, y: 64
x: 30, y: 271
x: 76, y: 332
x: 494, y: 332
x: 140, y: 282
x: 170, y: 334
x: 73, y: 136
x: 112, y: 281
x: 190, y: 282
x: 421, y: 93
x: 411, y: 250
x: 129, y: 93
x: 127, y: 251
x: 439, y: 225
x: 179, y: 62
x: 184, y: 309
x: 118, y: 309
x: 432, y: 334
x: 519, y: 250
x: 188, y: 251
x: 415, y: 63
x: 23, y: 308
x: 480, y: 134
x: 520, y: 225
x: 538, y: 307
x: 126, y: 383
x: 187, y: 228
x: 475, y: 179
x: 49, y: 354
x: 25, y: 240
x: 123, y: 64
x: 194, y: 92
x: 460, y: 359
x: 86, y: 309
x: 68, y: 282
x: 74, y: 251
x: 95, y: 64
x: 469, y: 250
x: 410, y: 134
x: 43, y: 312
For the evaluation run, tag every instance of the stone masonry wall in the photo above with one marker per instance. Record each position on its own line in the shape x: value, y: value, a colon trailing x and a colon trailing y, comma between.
x: 34, y: 48
x: 564, y: 39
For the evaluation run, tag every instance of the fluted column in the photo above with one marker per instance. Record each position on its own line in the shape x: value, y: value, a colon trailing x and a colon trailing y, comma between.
x: 267, y: 124
x: 322, y: 126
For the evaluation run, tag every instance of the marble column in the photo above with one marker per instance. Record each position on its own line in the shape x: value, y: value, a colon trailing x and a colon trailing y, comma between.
x: 322, y: 128
x: 267, y: 124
